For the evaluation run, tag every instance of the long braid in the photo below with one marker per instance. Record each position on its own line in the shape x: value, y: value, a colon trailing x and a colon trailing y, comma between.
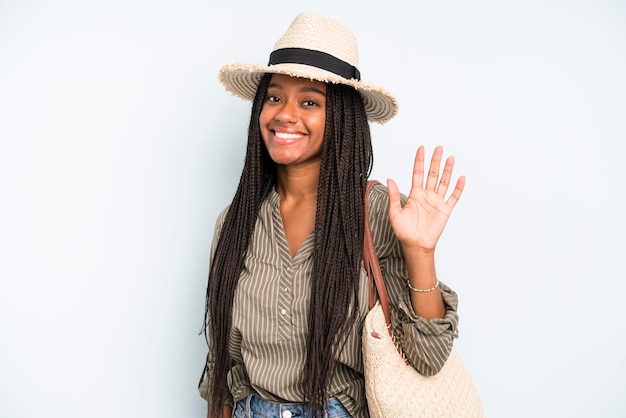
x: 346, y: 164
x: 255, y: 184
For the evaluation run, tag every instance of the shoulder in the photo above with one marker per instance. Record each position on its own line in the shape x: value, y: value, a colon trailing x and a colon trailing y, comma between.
x: 377, y: 200
x: 219, y: 222
x: 378, y: 191
x: 272, y: 200
x: 385, y: 239
x: 222, y: 215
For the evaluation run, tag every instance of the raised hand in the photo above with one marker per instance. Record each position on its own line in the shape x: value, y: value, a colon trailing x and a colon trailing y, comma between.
x: 420, y: 222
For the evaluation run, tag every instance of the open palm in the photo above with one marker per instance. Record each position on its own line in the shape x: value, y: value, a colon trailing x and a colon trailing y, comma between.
x: 420, y: 222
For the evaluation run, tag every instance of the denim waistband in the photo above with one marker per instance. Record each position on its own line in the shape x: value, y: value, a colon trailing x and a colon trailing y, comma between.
x: 254, y: 406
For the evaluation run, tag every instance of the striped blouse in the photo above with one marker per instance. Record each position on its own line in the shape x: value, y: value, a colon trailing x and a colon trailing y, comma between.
x: 269, y: 319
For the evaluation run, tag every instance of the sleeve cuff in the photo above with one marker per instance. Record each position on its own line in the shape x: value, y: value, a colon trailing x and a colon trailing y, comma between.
x: 203, y: 388
x: 435, y: 326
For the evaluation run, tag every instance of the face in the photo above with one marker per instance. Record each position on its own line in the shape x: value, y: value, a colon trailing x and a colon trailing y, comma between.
x: 292, y: 120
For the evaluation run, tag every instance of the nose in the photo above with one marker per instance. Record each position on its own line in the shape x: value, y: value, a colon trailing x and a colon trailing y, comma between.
x: 288, y: 113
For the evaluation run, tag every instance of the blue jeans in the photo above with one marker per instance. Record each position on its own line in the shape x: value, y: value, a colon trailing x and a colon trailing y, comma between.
x: 253, y: 406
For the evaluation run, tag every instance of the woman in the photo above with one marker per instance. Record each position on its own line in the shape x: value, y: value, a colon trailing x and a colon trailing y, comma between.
x: 287, y: 293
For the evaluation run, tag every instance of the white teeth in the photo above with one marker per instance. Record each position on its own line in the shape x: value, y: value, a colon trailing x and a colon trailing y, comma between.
x: 283, y: 135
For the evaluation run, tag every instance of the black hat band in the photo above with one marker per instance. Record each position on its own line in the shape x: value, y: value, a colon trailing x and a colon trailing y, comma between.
x: 315, y: 59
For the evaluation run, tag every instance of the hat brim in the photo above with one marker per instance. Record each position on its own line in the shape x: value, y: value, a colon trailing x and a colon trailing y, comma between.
x: 242, y: 80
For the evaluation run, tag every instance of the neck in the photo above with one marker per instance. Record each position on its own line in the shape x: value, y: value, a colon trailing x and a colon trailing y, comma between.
x: 297, y: 183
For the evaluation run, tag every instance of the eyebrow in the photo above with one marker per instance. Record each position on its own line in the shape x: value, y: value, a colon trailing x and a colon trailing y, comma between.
x: 305, y: 89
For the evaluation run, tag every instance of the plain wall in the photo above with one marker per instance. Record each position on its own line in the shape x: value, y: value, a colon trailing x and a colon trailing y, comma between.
x: 118, y: 147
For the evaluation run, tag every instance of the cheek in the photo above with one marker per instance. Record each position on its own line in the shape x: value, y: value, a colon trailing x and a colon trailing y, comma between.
x: 262, y: 117
x: 321, y: 126
x: 263, y: 120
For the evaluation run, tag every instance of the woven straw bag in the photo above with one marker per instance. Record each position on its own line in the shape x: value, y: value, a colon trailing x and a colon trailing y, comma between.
x: 392, y: 386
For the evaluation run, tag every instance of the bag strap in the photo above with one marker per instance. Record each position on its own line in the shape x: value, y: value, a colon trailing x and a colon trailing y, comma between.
x: 370, y: 260
x: 375, y: 275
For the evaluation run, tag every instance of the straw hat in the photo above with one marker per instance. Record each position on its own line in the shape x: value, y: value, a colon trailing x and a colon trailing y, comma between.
x: 318, y: 48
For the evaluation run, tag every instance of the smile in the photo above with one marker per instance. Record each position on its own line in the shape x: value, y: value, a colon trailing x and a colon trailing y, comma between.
x: 283, y: 135
x: 287, y: 138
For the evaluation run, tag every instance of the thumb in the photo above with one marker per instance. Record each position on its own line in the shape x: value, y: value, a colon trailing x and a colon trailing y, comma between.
x: 394, y: 198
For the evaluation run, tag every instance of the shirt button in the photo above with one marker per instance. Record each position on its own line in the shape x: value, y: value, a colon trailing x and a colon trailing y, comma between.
x: 284, y: 311
x: 287, y: 414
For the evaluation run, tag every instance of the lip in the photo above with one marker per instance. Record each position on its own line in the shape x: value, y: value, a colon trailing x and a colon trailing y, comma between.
x: 287, y: 137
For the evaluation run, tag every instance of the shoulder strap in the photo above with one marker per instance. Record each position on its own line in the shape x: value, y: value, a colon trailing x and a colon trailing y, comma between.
x: 370, y: 261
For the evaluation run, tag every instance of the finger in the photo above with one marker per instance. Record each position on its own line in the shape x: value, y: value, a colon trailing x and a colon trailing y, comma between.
x: 456, y: 193
x: 418, y: 170
x: 394, y: 198
x: 433, y: 171
x: 444, y: 183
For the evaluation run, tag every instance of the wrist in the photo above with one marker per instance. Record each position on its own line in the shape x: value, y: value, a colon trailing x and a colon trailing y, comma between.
x: 418, y: 252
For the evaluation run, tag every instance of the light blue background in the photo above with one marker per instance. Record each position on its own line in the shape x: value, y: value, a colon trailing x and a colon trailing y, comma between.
x: 119, y: 147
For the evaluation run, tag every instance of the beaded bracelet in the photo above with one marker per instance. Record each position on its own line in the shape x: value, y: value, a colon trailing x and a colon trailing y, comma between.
x: 415, y: 289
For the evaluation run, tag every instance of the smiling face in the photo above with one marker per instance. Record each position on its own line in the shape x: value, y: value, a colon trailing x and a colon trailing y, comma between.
x: 292, y: 120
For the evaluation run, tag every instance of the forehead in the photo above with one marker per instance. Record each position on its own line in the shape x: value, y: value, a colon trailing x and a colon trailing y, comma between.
x: 285, y: 81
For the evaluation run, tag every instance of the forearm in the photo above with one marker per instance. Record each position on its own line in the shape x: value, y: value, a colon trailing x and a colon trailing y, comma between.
x: 421, y: 271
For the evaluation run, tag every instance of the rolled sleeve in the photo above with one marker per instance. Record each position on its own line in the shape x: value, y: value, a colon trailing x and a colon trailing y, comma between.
x: 204, y: 386
x: 427, y: 343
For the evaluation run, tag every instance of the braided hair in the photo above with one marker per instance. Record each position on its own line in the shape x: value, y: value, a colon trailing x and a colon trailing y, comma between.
x: 345, y: 167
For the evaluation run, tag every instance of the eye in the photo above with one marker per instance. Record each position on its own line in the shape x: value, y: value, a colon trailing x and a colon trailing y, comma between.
x: 309, y: 103
x: 272, y: 99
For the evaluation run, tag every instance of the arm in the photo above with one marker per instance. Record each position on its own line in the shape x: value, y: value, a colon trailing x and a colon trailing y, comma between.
x: 426, y: 342
x: 204, y: 385
x: 419, y: 223
x: 421, y: 271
